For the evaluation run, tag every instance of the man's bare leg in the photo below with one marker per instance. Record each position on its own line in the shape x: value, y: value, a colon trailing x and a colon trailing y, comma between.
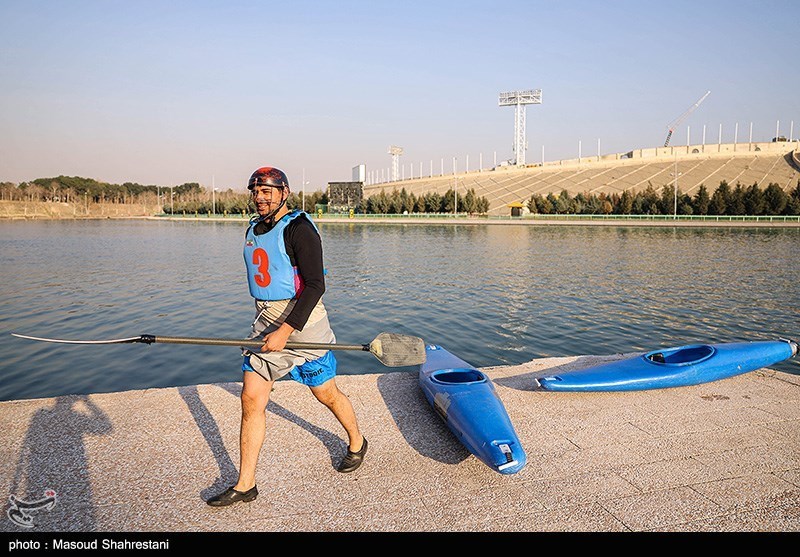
x: 255, y: 397
x: 338, y: 403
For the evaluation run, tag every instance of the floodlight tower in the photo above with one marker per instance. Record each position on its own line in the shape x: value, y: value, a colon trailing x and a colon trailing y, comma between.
x: 395, y: 152
x: 519, y: 99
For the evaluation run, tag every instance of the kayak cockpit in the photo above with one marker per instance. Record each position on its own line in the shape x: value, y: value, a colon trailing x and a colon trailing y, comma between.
x: 458, y: 376
x: 681, y: 356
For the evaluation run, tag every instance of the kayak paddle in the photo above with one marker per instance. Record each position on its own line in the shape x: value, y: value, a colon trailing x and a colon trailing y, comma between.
x: 391, y: 349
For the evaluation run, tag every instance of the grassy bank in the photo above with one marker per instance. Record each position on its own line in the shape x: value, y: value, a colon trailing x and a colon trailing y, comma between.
x: 25, y: 210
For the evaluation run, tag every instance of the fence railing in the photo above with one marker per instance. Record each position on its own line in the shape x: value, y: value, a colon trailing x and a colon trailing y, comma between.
x: 531, y: 217
x: 699, y: 218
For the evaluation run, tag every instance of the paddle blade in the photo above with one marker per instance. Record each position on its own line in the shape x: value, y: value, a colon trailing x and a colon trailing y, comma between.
x: 396, y: 350
x: 140, y: 338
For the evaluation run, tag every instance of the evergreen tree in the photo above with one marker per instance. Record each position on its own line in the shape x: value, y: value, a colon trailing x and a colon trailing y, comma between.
x: 604, y: 205
x: 775, y: 200
x: 667, y: 202
x: 592, y: 205
x: 533, y: 206
x: 625, y: 206
x: 685, y: 204
x: 433, y: 203
x: 395, y: 203
x: 379, y: 203
x: 448, y: 201
x: 470, y: 202
x: 701, y: 201
x: 793, y: 205
x: 736, y: 205
x: 614, y: 199
x: 545, y: 205
x: 650, y: 201
x: 754, y: 201
x: 563, y: 203
x: 406, y: 202
x: 579, y: 203
x: 553, y: 201
x: 720, y: 199
x: 637, y: 204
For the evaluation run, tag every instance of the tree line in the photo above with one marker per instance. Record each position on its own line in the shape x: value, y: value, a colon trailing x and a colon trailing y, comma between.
x: 187, y: 198
x: 192, y: 198
x: 725, y: 200
x: 402, y: 202
x: 75, y: 189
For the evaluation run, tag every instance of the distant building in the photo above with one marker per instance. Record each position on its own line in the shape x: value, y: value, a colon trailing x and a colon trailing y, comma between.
x: 360, y: 173
x: 343, y: 196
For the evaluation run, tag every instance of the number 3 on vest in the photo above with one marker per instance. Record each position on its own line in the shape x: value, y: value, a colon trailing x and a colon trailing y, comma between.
x: 261, y: 260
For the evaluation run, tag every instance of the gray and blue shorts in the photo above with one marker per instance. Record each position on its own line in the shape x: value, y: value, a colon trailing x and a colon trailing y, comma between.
x: 309, y: 367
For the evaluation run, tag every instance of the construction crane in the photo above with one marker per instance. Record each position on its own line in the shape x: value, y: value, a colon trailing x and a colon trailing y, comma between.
x: 675, y: 123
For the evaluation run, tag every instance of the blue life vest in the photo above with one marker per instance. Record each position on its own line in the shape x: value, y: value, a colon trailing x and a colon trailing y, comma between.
x: 270, y: 274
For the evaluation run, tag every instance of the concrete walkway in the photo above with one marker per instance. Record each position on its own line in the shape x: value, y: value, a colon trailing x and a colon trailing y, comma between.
x: 719, y: 457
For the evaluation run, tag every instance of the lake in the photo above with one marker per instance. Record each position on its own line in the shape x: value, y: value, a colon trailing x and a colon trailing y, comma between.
x: 493, y: 295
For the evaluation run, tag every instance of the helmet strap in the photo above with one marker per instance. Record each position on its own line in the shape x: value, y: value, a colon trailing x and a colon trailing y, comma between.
x: 270, y: 218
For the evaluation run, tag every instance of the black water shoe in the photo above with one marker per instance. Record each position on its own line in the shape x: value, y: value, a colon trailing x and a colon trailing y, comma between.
x: 231, y: 496
x: 352, y: 460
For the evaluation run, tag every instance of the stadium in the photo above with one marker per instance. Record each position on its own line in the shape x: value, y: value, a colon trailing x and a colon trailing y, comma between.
x: 514, y: 187
x: 687, y: 167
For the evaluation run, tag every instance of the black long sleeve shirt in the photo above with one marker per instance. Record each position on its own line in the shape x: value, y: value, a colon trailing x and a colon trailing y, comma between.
x: 304, y: 248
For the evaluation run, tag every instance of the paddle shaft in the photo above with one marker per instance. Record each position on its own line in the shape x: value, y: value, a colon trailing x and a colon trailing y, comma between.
x: 392, y: 349
x: 150, y: 339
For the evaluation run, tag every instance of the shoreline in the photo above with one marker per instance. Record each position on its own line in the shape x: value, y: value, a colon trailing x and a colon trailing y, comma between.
x: 15, y: 211
x: 564, y: 222
x: 473, y: 221
x: 763, y: 222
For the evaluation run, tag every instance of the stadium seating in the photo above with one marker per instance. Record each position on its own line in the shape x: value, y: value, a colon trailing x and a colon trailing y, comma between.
x: 747, y: 164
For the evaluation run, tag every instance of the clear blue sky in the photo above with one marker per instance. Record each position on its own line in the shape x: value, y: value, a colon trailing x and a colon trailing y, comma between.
x: 166, y: 92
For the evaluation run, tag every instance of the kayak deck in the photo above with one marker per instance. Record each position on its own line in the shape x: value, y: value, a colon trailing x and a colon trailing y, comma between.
x: 466, y: 400
x: 674, y: 367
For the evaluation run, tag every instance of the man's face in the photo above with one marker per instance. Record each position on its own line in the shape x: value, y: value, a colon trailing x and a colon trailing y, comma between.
x: 266, y: 199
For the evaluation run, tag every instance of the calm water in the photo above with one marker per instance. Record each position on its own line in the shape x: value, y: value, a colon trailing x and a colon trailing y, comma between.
x: 493, y: 295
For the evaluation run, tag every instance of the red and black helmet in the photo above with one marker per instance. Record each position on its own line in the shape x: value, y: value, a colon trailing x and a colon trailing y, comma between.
x: 268, y: 176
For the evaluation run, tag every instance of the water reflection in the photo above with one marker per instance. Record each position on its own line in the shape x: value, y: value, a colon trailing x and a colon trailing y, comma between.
x: 494, y: 295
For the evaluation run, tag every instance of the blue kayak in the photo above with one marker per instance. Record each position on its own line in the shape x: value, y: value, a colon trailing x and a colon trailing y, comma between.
x: 674, y: 367
x: 467, y: 401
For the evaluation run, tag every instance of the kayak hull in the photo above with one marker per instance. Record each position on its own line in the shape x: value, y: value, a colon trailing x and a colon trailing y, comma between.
x: 674, y: 367
x: 467, y: 401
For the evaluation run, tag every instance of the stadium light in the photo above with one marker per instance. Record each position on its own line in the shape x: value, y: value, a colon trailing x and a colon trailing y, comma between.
x: 519, y: 99
x: 395, y: 152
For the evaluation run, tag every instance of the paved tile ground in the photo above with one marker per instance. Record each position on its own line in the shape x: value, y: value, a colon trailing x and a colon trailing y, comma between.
x: 719, y: 457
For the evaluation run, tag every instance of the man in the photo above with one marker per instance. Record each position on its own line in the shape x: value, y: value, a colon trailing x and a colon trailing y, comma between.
x: 283, y: 257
